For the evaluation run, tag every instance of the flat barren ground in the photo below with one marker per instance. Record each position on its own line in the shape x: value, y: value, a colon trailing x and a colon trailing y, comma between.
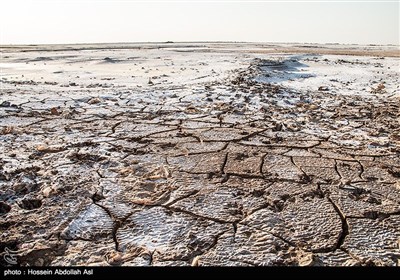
x: 200, y: 154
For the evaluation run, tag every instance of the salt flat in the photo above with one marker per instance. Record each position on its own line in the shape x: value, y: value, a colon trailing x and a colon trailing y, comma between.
x: 200, y: 154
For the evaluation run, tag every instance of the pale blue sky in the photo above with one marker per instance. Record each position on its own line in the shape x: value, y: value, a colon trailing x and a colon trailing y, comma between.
x: 92, y: 21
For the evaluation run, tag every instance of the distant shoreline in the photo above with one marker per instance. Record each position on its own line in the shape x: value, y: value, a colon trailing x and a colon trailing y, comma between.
x: 311, y: 48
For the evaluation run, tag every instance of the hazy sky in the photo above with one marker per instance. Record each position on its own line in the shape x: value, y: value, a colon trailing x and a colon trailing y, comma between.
x: 90, y: 21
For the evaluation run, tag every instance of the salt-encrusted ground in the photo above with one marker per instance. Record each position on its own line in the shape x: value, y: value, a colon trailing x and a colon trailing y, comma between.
x: 199, y: 154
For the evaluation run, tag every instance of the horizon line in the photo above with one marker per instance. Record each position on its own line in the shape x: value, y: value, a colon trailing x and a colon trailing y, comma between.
x: 196, y: 42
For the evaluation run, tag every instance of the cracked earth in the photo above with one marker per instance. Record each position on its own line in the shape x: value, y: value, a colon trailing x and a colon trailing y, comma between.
x: 201, y: 154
